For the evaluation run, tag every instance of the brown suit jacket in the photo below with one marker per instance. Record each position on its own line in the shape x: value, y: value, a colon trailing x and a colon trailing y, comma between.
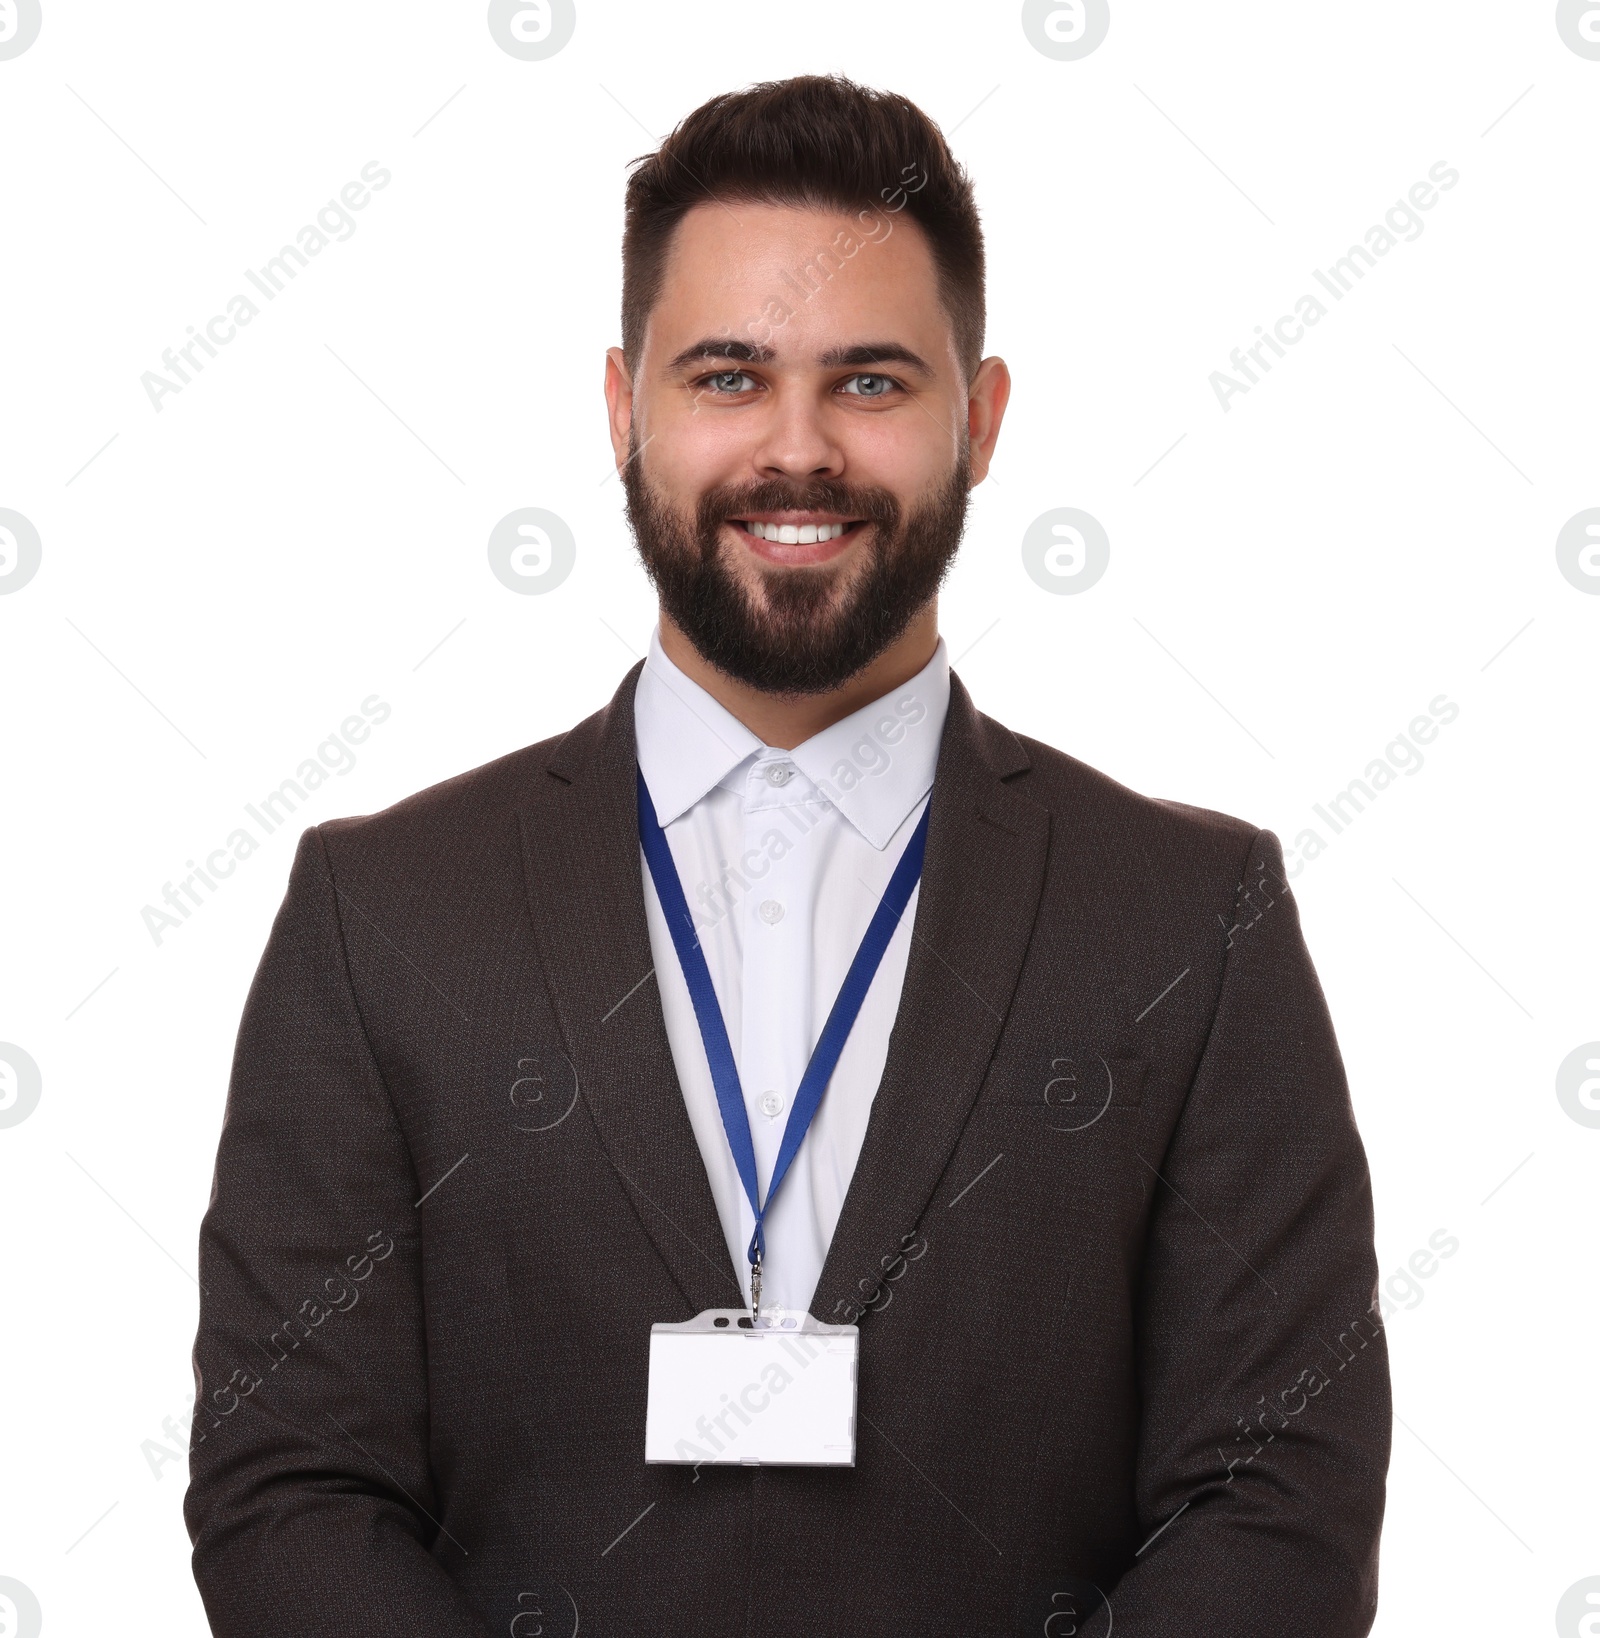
x: 1109, y: 1242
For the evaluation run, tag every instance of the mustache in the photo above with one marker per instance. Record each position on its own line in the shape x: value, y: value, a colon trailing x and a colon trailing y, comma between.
x: 733, y: 500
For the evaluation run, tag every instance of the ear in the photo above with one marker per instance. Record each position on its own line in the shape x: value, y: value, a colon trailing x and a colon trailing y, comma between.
x: 986, y: 408
x: 619, y: 404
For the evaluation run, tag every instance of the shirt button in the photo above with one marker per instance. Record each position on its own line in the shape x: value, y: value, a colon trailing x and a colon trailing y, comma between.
x: 771, y: 1104
x: 779, y: 773
x: 771, y: 911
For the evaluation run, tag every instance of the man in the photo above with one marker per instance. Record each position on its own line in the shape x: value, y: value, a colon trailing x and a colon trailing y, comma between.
x: 791, y: 984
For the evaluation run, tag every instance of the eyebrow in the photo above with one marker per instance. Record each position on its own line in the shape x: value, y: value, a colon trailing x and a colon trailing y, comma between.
x: 861, y: 355
x: 874, y: 352
x: 714, y: 347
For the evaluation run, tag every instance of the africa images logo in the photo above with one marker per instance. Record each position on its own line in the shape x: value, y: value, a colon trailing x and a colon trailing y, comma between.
x: 1402, y: 224
x: 1578, y: 24
x: 1066, y: 29
x: 334, y: 224
x: 531, y: 551
x: 20, y: 551
x: 1577, y: 551
x: 1065, y: 551
x: 20, y: 1086
x: 19, y: 28
x: 531, y: 29
x: 20, y: 1616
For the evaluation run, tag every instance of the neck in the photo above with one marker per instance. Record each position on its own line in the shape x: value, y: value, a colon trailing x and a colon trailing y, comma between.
x: 786, y: 720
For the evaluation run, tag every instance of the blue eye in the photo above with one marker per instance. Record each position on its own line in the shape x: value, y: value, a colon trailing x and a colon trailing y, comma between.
x: 870, y: 386
x: 726, y: 382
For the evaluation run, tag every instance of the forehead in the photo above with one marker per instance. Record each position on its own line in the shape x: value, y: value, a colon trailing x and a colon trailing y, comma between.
x: 795, y: 278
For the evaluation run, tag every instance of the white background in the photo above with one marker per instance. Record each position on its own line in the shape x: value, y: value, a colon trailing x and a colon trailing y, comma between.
x: 305, y: 525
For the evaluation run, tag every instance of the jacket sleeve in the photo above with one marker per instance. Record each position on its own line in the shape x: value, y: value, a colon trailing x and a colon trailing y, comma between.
x: 1263, y: 1366
x: 310, y: 1504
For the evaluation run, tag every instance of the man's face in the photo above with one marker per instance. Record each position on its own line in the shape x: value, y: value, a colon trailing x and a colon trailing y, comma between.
x: 799, y: 438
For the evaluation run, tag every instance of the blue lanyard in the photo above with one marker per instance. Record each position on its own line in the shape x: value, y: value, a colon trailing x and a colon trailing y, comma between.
x: 714, y: 1032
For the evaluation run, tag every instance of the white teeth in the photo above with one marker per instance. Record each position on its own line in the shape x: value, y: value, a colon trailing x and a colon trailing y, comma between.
x: 797, y: 534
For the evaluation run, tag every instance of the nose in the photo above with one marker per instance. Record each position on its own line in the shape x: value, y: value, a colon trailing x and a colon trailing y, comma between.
x: 794, y: 441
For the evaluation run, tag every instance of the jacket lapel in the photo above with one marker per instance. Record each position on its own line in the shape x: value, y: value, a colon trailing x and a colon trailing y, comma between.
x: 982, y: 877
x: 585, y: 888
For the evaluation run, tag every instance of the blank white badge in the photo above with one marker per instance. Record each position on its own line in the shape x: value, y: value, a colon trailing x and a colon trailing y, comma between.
x: 776, y: 1391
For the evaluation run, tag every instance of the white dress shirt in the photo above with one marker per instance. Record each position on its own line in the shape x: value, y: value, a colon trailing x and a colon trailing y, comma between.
x: 783, y: 857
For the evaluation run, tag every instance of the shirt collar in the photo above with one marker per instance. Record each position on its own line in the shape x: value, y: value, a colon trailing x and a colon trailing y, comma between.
x: 874, y: 765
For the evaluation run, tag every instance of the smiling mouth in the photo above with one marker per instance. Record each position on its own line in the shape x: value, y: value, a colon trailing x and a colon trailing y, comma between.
x: 796, y: 534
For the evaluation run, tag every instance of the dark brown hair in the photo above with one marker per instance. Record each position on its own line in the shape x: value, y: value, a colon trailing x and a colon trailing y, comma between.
x: 815, y: 141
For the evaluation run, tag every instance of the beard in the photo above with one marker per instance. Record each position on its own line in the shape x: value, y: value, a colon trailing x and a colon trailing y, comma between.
x: 809, y: 631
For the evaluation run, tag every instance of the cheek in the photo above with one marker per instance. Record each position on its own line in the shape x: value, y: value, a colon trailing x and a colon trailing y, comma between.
x: 907, y: 453
x: 685, y: 454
